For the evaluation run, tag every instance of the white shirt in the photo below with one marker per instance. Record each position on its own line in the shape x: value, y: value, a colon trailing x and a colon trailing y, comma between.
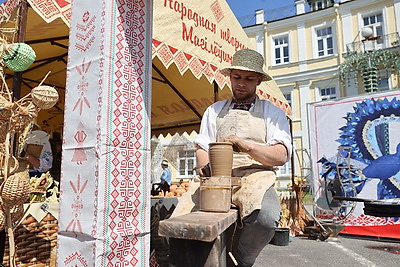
x: 278, y: 131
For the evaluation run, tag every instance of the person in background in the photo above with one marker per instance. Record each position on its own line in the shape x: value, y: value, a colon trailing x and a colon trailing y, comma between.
x: 165, y: 178
x: 43, y: 161
x: 259, y: 132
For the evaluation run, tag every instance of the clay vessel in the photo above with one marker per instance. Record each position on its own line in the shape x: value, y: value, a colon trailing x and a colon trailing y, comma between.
x: 221, y: 158
x: 215, y: 194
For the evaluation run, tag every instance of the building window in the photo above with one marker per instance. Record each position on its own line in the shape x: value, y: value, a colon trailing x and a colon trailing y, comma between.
x: 187, y: 163
x: 325, y: 41
x: 327, y: 93
x: 285, y: 170
x: 320, y: 4
x: 383, y: 84
x: 375, y: 22
x: 288, y: 98
x: 281, y: 50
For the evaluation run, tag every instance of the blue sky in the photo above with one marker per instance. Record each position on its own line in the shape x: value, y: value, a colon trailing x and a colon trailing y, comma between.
x: 248, y: 7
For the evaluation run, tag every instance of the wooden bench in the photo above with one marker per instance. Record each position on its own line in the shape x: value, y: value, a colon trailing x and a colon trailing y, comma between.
x: 199, y: 238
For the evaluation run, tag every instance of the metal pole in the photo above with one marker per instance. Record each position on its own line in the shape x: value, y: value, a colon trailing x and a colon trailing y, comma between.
x: 22, y: 20
x: 216, y: 97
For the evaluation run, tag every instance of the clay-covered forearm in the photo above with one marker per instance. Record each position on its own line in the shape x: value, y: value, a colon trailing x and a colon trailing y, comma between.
x: 275, y: 155
x: 201, y: 157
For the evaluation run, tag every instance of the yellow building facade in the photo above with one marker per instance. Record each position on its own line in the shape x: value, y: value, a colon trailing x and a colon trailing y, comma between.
x: 307, y: 51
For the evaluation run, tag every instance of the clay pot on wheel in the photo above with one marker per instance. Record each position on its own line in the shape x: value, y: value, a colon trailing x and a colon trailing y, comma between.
x: 221, y: 158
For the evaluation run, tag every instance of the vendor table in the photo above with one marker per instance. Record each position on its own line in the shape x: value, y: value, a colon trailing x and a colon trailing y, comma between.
x: 198, y: 238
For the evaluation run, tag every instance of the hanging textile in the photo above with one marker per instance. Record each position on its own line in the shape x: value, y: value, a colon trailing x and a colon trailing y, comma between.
x: 105, y: 186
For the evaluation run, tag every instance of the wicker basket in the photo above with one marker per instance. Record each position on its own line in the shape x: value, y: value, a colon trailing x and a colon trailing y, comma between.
x: 44, y: 97
x: 35, y: 242
x: 16, y: 189
x: 18, y: 56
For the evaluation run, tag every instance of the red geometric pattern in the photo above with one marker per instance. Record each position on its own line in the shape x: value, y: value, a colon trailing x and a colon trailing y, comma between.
x: 7, y: 8
x: 49, y: 10
x: 366, y: 220
x: 128, y: 130
x: 285, y: 107
x: 217, y: 11
x: 184, y: 62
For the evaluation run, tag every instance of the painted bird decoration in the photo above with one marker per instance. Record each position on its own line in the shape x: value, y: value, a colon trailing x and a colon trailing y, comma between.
x: 384, y: 167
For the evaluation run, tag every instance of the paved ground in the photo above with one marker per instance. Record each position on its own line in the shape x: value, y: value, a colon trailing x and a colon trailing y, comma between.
x: 345, y: 250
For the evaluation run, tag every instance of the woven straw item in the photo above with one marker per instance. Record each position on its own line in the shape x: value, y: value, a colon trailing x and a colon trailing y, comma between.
x: 5, y: 108
x: 35, y: 242
x: 3, y: 131
x: 44, y: 97
x: 3, y: 220
x: 13, y: 164
x: 24, y: 114
x: 18, y: 56
x: 17, y: 212
x: 16, y: 189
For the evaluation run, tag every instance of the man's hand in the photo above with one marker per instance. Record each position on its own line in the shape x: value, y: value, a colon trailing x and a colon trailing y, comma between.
x: 205, y: 171
x: 239, y: 145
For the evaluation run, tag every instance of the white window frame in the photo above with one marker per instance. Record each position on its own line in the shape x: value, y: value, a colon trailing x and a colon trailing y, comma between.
x: 323, y: 4
x: 289, y: 90
x: 361, y: 16
x: 186, y: 159
x: 285, y: 170
x: 325, y: 84
x: 315, y: 39
x: 272, y: 41
x: 330, y: 96
x: 383, y: 75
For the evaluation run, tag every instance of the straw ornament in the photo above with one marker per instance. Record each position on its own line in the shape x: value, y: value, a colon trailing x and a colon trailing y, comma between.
x: 3, y: 220
x: 5, y: 108
x: 44, y: 97
x: 17, y: 212
x: 16, y: 189
x: 24, y: 114
x: 3, y: 131
x: 12, y: 163
x: 18, y: 56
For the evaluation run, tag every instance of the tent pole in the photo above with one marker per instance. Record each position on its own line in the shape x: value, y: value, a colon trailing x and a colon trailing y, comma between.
x: 23, y: 15
x: 216, y: 97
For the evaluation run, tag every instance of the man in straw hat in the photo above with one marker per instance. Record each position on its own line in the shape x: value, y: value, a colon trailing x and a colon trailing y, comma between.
x: 165, y: 176
x: 259, y: 132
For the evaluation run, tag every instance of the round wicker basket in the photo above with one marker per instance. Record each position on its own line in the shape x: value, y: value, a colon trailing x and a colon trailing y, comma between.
x: 18, y: 56
x: 16, y: 189
x: 44, y: 97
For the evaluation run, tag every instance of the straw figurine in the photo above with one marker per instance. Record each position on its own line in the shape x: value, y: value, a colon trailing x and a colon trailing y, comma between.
x: 16, y: 120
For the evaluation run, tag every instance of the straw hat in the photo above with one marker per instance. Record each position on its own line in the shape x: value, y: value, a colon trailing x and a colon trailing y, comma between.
x: 164, y: 163
x: 249, y: 60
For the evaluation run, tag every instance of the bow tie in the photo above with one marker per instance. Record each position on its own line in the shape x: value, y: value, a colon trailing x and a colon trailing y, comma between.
x: 242, y: 106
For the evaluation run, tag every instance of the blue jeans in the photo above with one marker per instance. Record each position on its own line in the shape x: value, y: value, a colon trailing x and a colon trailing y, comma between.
x: 258, y: 229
